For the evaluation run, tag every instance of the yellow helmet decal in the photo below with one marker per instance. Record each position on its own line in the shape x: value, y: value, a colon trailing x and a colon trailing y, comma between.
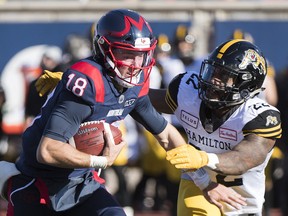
x: 226, y: 46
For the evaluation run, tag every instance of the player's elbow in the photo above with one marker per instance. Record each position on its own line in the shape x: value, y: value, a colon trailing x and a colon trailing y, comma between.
x: 42, y: 156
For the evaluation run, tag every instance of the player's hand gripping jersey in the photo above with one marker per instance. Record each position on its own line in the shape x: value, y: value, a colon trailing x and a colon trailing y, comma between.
x: 253, y: 116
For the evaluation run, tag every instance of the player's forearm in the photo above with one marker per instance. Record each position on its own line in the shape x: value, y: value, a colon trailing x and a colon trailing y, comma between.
x: 249, y: 153
x: 59, y: 154
x: 232, y: 164
x: 170, y: 138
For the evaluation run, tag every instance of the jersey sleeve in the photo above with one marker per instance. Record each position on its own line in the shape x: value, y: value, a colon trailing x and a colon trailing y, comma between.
x: 145, y: 114
x: 85, y: 81
x: 266, y: 124
x: 68, y: 113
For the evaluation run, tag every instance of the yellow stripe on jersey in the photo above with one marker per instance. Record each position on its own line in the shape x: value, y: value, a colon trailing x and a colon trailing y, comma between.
x: 274, y: 132
x: 171, y: 103
x: 277, y: 134
x: 266, y: 130
x: 226, y: 46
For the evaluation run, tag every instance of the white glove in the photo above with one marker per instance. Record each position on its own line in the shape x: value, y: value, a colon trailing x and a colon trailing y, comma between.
x: 7, y: 170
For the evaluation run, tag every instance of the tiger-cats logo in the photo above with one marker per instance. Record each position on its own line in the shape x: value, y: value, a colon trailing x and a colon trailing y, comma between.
x: 253, y: 58
x: 271, y: 120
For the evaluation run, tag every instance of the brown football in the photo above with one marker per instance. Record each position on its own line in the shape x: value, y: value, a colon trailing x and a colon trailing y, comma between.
x: 90, y: 137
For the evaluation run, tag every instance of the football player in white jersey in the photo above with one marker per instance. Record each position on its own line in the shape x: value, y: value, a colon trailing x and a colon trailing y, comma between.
x: 230, y: 131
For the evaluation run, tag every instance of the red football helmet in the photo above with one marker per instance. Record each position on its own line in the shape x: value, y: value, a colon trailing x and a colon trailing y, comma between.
x: 127, y: 31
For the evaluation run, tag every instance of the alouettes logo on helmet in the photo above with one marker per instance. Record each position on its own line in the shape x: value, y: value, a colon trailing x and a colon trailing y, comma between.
x: 142, y: 42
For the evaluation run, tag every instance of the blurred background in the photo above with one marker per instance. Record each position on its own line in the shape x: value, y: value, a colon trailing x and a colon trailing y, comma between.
x: 52, y: 34
x: 24, y: 23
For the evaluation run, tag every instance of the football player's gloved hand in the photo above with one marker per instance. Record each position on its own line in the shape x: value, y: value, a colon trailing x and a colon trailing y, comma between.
x: 187, y: 157
x: 47, y: 82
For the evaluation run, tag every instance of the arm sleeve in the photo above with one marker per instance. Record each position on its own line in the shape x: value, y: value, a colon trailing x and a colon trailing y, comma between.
x: 267, y: 124
x: 66, y: 117
x: 200, y: 177
x: 145, y: 114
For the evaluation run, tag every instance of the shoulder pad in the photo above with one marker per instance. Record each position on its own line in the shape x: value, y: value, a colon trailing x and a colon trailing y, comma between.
x: 86, y: 81
x: 265, y: 124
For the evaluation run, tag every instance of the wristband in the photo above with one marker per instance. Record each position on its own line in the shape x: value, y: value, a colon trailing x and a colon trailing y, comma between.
x: 200, y: 177
x: 98, y: 161
x: 213, y: 160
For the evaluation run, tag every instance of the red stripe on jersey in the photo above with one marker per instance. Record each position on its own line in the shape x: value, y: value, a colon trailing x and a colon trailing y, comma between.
x: 145, y: 88
x: 95, y: 75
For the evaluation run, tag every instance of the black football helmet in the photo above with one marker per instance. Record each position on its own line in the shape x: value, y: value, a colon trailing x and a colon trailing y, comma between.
x: 233, y: 73
x: 126, y: 30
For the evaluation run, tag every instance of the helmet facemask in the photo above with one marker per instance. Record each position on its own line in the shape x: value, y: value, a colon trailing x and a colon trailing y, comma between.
x: 121, y: 37
x: 220, y: 86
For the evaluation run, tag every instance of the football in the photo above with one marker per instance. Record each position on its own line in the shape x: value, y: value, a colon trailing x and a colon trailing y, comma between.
x: 90, y: 137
